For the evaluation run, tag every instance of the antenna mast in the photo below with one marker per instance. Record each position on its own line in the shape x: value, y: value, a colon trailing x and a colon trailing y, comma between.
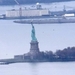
x: 20, y: 9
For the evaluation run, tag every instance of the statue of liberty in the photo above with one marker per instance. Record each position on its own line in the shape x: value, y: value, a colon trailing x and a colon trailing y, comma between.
x: 33, y: 33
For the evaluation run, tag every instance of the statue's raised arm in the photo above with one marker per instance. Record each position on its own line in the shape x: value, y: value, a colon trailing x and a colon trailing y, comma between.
x: 33, y: 33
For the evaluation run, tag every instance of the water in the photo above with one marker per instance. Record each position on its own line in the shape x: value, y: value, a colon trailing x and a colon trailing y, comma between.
x: 56, y: 68
x: 15, y: 39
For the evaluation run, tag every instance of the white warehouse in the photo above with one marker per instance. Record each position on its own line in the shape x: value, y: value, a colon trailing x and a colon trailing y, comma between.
x: 26, y: 13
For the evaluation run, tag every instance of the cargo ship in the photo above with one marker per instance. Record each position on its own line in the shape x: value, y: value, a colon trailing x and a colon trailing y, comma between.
x: 47, y: 20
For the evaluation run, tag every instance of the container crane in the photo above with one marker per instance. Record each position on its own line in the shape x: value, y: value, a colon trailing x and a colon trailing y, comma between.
x: 20, y: 9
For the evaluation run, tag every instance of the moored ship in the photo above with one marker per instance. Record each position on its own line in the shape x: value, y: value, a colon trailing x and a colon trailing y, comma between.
x: 47, y: 20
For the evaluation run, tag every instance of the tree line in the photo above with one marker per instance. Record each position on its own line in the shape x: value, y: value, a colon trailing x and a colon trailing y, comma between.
x: 67, y: 54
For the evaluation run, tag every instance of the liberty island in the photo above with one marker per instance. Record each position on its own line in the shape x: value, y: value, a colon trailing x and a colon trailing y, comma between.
x: 35, y: 55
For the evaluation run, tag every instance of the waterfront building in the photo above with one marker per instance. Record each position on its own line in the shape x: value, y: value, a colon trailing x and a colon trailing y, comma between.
x: 38, y: 11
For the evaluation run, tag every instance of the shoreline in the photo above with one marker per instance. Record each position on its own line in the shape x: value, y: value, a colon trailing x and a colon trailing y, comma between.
x: 12, y: 61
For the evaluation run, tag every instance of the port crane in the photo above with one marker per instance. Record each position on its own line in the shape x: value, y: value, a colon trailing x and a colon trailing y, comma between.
x: 20, y: 9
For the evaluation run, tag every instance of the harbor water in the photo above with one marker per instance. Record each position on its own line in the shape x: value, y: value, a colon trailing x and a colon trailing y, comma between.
x: 15, y: 39
x: 56, y: 68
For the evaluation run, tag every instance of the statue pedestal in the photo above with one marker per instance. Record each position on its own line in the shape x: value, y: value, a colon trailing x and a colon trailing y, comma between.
x: 34, y: 49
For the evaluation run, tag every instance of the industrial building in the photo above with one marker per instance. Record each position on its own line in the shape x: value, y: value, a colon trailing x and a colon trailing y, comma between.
x: 27, y: 12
